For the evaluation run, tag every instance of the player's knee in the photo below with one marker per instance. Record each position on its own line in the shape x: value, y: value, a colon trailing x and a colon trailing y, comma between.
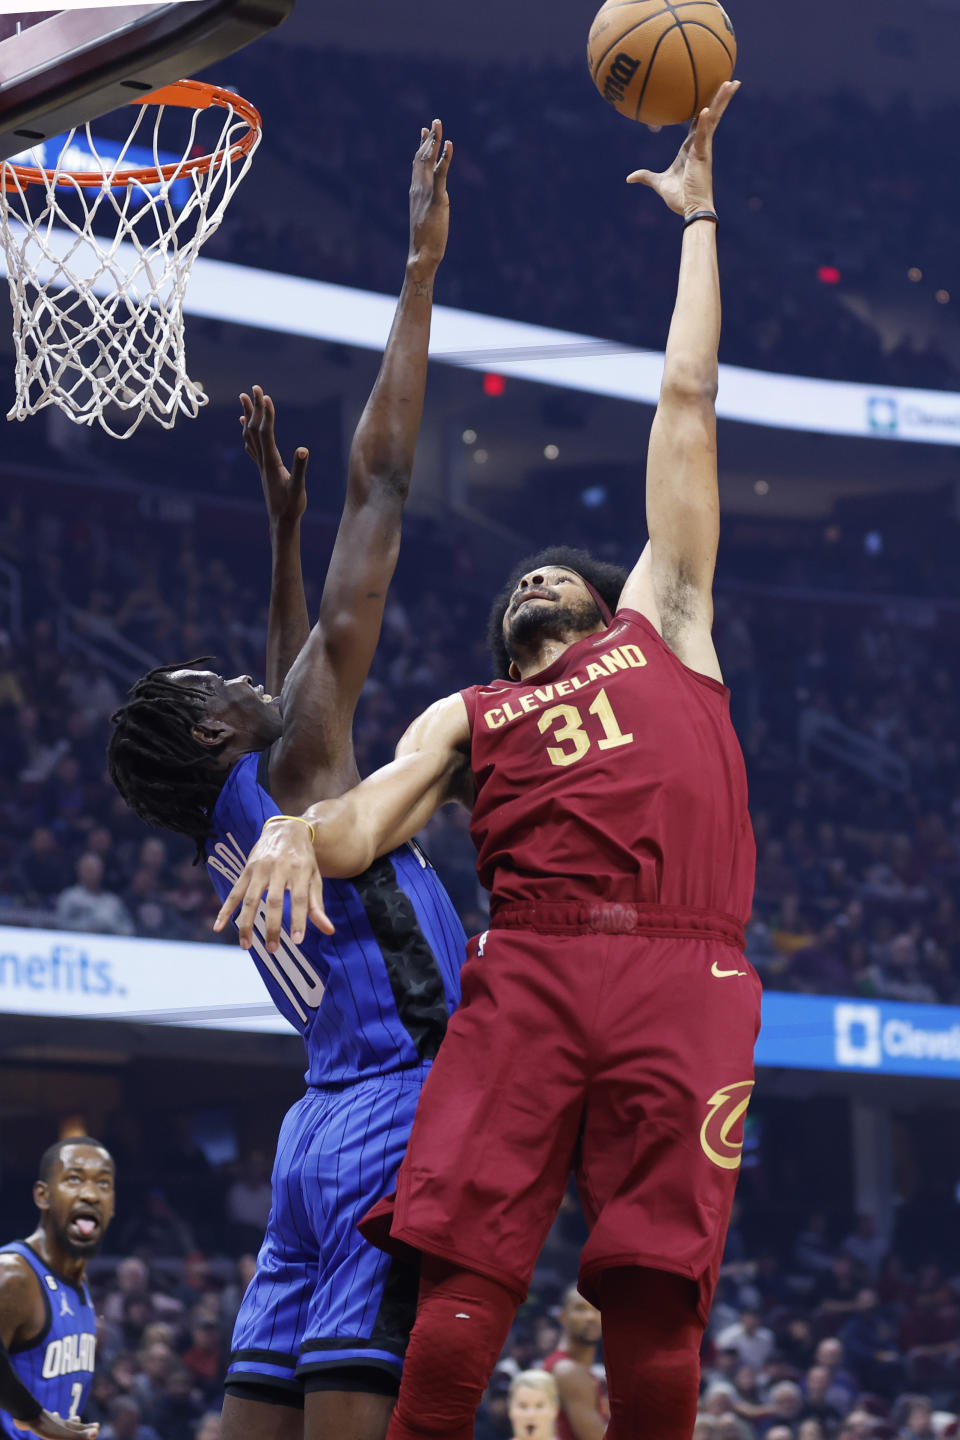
x: 462, y: 1322
x: 652, y: 1333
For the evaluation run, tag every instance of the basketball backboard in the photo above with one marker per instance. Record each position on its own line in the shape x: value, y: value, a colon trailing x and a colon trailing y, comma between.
x: 60, y: 68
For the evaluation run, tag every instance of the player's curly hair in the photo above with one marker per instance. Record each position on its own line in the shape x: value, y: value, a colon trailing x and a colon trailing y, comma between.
x: 608, y: 580
x: 164, y: 773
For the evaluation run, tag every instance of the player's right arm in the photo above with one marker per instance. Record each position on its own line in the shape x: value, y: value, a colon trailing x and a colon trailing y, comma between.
x: 672, y: 583
x: 577, y: 1389
x: 314, y: 757
x: 432, y: 767
x: 21, y: 1318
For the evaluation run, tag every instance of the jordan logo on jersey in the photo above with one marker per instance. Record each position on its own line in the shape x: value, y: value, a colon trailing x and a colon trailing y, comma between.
x: 65, y: 1304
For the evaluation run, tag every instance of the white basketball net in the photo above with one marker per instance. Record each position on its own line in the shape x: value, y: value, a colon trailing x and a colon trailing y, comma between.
x: 98, y: 322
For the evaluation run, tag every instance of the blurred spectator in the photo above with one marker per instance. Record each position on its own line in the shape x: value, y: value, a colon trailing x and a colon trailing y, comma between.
x: 204, y: 1359
x: 866, y: 1246
x: 870, y: 1343
x: 752, y: 1341
x: 157, y: 1229
x: 87, y: 906
x: 157, y: 1363
x: 177, y: 1411
x: 208, y: 1426
x: 126, y: 1423
x: 248, y: 1201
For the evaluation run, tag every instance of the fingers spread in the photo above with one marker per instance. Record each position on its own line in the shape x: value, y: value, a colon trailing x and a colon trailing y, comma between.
x: 640, y: 177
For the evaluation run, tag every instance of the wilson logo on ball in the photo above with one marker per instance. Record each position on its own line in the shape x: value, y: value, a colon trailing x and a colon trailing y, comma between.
x: 660, y: 61
x: 620, y: 74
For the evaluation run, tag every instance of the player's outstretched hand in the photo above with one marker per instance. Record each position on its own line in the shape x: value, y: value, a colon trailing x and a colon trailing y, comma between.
x: 282, y: 859
x: 688, y: 184
x: 429, y: 202
x: 50, y: 1427
x: 284, y: 492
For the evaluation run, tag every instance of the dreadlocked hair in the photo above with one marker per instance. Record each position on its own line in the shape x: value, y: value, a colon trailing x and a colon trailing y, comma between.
x: 608, y: 581
x: 161, y: 769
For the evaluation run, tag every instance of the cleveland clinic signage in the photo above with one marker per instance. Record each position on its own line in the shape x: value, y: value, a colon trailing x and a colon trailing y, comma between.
x: 215, y: 986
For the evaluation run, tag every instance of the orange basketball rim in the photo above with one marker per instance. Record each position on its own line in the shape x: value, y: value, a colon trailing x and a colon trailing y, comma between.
x: 182, y: 94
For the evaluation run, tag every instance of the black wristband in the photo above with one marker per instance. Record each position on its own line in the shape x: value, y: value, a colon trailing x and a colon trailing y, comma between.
x: 701, y: 215
x: 15, y: 1398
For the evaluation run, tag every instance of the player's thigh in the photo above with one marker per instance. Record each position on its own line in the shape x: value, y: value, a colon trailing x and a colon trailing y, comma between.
x: 251, y: 1419
x: 362, y: 1306
x: 663, y: 1128
x: 496, y: 1130
x: 269, y: 1326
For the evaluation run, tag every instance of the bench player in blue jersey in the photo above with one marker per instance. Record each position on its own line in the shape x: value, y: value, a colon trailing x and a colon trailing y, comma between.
x: 319, y: 1341
x: 48, y: 1326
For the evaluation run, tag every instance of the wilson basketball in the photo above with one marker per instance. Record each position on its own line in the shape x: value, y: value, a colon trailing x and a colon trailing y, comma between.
x: 661, y: 62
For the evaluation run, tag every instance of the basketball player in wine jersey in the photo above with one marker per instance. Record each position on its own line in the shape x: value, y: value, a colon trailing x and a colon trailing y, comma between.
x: 609, y: 1015
x: 48, y: 1326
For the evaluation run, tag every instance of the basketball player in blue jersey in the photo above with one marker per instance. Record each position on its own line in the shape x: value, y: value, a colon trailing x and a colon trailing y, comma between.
x: 320, y: 1337
x: 48, y: 1326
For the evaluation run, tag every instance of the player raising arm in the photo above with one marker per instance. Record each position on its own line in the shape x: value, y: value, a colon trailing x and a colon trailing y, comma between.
x: 319, y: 1340
x: 671, y: 584
x: 609, y: 1014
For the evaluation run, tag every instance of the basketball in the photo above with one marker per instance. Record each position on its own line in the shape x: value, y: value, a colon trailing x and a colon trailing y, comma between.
x: 658, y: 62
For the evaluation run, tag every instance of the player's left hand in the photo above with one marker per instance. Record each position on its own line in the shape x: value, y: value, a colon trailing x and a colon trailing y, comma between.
x: 284, y: 491
x: 282, y: 860
x: 429, y: 202
x: 688, y: 184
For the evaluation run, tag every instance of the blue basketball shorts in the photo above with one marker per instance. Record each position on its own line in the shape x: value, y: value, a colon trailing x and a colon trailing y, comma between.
x: 323, y: 1299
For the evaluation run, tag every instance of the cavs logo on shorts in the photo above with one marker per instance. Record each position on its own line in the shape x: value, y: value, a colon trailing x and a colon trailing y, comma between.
x: 727, y: 1106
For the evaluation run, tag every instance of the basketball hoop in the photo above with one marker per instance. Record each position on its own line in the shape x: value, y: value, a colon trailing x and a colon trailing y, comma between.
x: 98, y: 321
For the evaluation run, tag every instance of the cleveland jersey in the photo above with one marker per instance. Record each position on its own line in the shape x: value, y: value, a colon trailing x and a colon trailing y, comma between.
x: 614, y: 774
x: 56, y: 1366
x: 375, y: 996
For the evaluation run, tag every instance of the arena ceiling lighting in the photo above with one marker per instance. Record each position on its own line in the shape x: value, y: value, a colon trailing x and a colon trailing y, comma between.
x: 317, y: 310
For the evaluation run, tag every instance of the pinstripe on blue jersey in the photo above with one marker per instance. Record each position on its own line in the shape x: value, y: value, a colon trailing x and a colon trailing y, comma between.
x: 57, y: 1367
x: 375, y: 996
x: 322, y: 1296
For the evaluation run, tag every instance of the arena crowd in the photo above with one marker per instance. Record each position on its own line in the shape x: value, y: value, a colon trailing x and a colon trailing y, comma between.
x: 833, y: 272
x: 837, y: 1339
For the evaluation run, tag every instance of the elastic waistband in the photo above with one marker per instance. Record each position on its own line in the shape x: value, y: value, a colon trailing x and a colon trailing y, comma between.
x: 406, y: 1075
x: 621, y: 917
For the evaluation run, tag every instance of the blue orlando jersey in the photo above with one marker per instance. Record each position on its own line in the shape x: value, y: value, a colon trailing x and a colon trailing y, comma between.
x: 57, y: 1366
x: 375, y: 996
